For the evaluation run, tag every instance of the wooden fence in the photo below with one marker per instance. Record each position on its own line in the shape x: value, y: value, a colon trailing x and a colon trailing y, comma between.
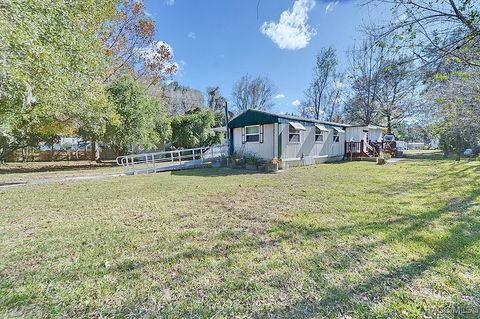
x: 62, y: 155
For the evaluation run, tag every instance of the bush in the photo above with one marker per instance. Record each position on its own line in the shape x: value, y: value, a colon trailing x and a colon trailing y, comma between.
x: 254, y: 159
x: 141, y: 120
x: 194, y: 129
x: 251, y: 159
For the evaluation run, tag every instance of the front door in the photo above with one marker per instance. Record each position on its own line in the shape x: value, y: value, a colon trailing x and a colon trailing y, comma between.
x: 365, y: 140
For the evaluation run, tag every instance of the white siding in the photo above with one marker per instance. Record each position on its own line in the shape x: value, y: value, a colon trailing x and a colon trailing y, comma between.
x: 308, y: 147
x: 265, y: 150
x: 292, y: 153
x: 356, y: 134
x: 375, y: 134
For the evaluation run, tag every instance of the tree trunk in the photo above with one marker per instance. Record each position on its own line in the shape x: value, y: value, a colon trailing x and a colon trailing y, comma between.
x: 52, y: 153
x: 446, y: 151
x: 389, y: 124
x: 458, y: 148
x: 93, y: 151
x: 97, y: 154
x: 474, y: 148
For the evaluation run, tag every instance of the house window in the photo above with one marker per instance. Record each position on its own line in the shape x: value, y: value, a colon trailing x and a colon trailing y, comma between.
x: 252, y: 134
x: 293, y: 135
x: 336, y: 137
x: 318, y: 135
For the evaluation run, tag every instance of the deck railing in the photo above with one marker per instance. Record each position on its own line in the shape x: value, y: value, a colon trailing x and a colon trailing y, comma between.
x: 170, y: 160
x: 361, y: 149
x: 353, y: 147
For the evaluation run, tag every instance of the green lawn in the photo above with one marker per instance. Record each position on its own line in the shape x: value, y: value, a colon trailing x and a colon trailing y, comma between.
x: 346, y: 240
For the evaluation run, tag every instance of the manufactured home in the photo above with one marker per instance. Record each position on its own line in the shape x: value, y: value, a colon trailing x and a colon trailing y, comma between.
x: 299, y: 141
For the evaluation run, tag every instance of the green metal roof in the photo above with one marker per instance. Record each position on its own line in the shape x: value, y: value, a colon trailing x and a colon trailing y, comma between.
x: 252, y: 117
x: 255, y: 117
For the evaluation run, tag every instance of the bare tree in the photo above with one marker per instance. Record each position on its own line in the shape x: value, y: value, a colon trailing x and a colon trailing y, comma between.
x: 436, y: 29
x: 215, y: 99
x: 398, y: 96
x: 366, y: 64
x: 253, y: 93
x: 333, y: 110
x: 177, y: 99
x: 385, y: 86
x: 319, y: 93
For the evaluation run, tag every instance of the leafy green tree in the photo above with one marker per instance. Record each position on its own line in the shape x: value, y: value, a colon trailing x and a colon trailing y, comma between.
x: 194, y: 129
x: 141, y: 120
x: 51, y: 66
x: 456, y: 96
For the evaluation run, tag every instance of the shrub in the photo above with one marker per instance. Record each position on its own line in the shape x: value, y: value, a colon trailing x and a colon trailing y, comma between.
x: 194, y: 129
x: 253, y: 159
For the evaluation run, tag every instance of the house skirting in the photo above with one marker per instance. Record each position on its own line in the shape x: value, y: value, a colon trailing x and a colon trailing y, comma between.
x: 309, y: 160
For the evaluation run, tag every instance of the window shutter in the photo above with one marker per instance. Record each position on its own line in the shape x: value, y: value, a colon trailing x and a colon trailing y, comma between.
x: 261, y: 133
x: 243, y: 135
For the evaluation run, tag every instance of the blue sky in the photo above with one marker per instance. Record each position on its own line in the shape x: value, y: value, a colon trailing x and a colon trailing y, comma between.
x: 216, y: 42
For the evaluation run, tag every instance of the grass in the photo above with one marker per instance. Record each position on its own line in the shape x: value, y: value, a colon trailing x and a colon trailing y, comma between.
x: 351, y: 240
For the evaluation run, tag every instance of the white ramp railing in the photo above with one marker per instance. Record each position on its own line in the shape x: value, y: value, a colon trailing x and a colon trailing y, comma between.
x: 171, y: 160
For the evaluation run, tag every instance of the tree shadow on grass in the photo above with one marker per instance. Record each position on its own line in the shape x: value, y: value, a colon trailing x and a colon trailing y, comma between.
x: 452, y: 175
x: 434, y: 155
x: 362, y: 298
x: 357, y: 300
x: 333, y: 300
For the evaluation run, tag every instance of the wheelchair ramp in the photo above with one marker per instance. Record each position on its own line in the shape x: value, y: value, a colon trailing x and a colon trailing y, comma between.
x: 173, y: 160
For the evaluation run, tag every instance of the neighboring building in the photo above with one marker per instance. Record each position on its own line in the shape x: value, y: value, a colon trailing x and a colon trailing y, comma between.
x: 435, y: 143
x: 402, y: 145
x: 416, y: 145
x: 298, y: 141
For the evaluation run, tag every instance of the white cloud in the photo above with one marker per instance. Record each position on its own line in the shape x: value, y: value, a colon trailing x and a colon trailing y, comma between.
x: 279, y: 96
x: 181, y: 66
x: 156, y: 52
x: 169, y: 2
x: 340, y: 85
x: 331, y: 6
x: 402, y: 17
x: 296, y: 103
x: 192, y: 35
x: 292, y: 31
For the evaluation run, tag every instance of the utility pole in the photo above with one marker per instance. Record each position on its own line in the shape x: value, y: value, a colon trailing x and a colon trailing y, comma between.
x: 226, y: 121
x: 228, y: 131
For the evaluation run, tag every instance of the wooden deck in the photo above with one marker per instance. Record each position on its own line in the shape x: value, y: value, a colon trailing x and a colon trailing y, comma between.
x: 361, y: 150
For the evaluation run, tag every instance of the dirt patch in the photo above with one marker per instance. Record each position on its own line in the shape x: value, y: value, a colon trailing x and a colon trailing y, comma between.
x: 16, y: 168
